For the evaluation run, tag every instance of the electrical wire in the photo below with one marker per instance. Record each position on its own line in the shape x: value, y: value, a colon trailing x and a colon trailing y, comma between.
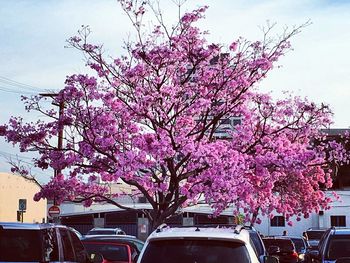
x: 12, y: 86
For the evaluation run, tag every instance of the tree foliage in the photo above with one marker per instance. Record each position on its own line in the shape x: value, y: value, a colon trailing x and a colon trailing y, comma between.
x: 150, y: 119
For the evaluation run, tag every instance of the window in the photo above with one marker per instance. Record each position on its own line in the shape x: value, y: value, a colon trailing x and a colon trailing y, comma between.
x: 195, y: 250
x: 20, y: 245
x: 338, y: 247
x: 67, y: 246
x: 80, y: 252
x: 278, y: 221
x: 109, y: 251
x: 338, y: 220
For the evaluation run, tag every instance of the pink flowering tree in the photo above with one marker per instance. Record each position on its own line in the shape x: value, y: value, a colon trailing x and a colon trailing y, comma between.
x: 151, y: 117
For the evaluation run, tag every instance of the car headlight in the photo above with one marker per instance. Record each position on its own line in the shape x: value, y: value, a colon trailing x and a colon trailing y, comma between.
x: 301, y: 256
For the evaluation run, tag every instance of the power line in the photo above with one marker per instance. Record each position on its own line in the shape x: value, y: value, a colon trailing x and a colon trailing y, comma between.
x: 15, y: 155
x: 12, y: 86
x: 18, y: 84
x: 5, y: 89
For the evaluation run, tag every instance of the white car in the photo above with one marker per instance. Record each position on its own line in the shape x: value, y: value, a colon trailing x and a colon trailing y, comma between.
x: 200, y: 245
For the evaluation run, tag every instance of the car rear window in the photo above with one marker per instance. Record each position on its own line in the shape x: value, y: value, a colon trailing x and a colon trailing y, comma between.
x: 299, y: 244
x: 194, y: 250
x: 284, y: 244
x: 338, y: 247
x: 109, y: 251
x: 28, y: 245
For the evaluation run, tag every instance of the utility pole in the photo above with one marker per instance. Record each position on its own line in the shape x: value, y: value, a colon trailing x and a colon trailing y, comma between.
x: 60, y: 127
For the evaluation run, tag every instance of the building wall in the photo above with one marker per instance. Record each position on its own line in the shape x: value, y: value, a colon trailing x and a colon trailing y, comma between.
x: 339, y: 207
x: 14, y: 187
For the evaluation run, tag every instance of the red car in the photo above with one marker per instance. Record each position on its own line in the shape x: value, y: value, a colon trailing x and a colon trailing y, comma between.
x: 282, y: 248
x: 111, y: 251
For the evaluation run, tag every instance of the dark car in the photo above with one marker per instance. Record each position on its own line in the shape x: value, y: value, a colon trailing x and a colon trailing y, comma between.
x: 281, y: 247
x: 334, y: 246
x: 314, y: 236
x: 22, y: 242
x: 113, y: 248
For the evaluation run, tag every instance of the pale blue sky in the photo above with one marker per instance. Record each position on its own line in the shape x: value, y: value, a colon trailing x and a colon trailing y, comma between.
x: 33, y: 34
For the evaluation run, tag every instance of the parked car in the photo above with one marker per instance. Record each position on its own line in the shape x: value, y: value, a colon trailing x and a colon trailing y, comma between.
x: 105, y: 231
x: 111, y: 249
x: 334, y: 246
x: 314, y: 236
x: 123, y: 238
x: 281, y: 247
x: 200, y: 244
x: 22, y: 242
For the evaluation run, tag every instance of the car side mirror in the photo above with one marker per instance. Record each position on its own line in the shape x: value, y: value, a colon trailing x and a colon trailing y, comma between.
x: 96, y: 258
x: 271, y: 259
x: 273, y: 250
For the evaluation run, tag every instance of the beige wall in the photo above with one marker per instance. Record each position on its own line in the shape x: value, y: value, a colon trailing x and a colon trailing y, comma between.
x: 14, y: 187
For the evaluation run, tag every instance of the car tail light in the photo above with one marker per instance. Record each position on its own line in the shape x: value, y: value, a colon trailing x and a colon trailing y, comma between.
x: 295, y: 255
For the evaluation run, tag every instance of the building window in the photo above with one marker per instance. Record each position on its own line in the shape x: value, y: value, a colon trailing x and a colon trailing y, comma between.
x: 278, y: 221
x: 338, y: 220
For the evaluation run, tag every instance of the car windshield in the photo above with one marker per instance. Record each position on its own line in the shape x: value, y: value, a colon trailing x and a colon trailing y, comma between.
x: 285, y: 245
x: 101, y: 232
x: 314, y: 234
x: 28, y: 245
x: 109, y: 251
x: 299, y: 244
x: 338, y: 247
x: 195, y: 250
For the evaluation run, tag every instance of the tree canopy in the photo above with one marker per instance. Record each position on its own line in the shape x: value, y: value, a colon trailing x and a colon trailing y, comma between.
x: 150, y: 119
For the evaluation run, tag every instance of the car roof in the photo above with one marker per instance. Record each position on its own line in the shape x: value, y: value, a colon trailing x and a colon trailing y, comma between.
x: 200, y: 232
x: 110, y: 237
x: 28, y: 226
x: 106, y: 228
x: 277, y: 238
x: 341, y: 231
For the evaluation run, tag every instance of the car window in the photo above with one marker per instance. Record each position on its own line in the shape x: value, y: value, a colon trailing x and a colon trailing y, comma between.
x: 314, y: 234
x: 195, y: 250
x: 109, y: 251
x: 138, y: 244
x: 285, y: 245
x: 20, y: 245
x: 68, y: 252
x: 50, y: 246
x: 338, y: 247
x: 79, y: 249
x: 299, y: 244
x: 257, y: 243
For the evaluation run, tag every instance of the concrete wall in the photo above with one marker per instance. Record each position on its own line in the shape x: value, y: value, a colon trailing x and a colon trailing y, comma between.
x: 14, y: 187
